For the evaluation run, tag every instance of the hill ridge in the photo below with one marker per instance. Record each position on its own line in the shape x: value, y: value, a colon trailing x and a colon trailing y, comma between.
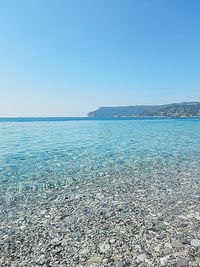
x: 183, y: 109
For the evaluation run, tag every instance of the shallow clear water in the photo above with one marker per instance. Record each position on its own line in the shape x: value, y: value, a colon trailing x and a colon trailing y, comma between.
x: 40, y: 156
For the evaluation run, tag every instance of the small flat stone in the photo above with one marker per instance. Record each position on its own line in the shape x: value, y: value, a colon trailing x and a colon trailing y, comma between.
x: 42, y: 212
x: 41, y: 260
x: 161, y: 226
x: 182, y: 263
x: 99, y: 196
x: 112, y: 240
x: 104, y: 247
x: 182, y: 217
x: 164, y: 260
x: 64, y: 243
x: 195, y: 242
x: 77, y: 235
x: 95, y: 259
x: 105, y: 261
x: 141, y: 258
x: 185, y: 242
x: 85, y: 251
x: 117, y: 257
x: 120, y: 264
x: 157, y: 248
x: 55, y: 241
x: 168, y: 245
x: 176, y: 244
x: 183, y: 225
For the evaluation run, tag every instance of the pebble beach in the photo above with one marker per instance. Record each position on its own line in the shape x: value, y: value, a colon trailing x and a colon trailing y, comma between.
x: 145, y: 214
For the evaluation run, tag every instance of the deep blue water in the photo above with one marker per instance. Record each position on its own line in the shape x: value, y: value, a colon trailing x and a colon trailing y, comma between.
x: 38, y: 154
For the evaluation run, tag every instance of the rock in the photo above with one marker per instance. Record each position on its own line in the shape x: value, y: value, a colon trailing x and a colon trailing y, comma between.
x: 168, y: 245
x: 104, y: 247
x: 43, y: 212
x: 157, y: 248
x: 176, y: 244
x: 104, y: 261
x: 95, y: 259
x: 117, y: 257
x: 41, y: 260
x: 85, y: 251
x: 167, y: 251
x: 77, y: 235
x: 82, y: 259
x: 99, y: 196
x: 195, y: 242
x: 160, y: 226
x: 185, y: 242
x: 56, y: 241
x: 64, y: 243
x: 160, y: 216
x: 182, y: 263
x: 88, y: 210
x: 141, y: 258
x: 123, y: 208
x: 164, y: 260
x: 182, y: 217
x: 183, y: 225
x: 120, y: 264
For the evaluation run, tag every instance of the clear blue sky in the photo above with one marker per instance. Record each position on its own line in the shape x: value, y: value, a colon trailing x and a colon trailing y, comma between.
x: 65, y: 58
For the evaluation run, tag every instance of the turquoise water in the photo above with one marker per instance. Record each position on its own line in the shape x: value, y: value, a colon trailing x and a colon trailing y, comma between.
x: 43, y: 156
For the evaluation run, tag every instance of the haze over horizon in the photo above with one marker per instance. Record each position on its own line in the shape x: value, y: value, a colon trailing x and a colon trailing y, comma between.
x: 67, y: 58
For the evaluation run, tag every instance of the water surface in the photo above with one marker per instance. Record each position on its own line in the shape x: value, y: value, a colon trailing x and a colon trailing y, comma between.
x: 37, y: 155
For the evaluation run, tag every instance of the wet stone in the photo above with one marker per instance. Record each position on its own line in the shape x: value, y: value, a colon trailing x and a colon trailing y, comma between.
x: 64, y: 243
x: 78, y: 235
x: 160, y: 226
x: 185, y: 242
x: 124, y: 219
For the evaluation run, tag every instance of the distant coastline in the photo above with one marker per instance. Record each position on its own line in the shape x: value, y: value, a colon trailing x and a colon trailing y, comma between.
x: 175, y: 110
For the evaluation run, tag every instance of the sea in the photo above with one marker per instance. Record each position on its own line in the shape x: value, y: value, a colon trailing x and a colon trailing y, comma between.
x: 38, y: 154
x: 99, y: 192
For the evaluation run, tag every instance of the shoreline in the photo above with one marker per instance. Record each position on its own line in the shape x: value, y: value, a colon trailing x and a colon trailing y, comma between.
x: 117, y: 221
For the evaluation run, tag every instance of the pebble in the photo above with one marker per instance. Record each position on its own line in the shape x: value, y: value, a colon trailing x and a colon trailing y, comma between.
x: 126, y: 221
x: 168, y: 245
x: 164, y: 260
x: 161, y: 226
x: 182, y: 263
x: 95, y: 259
x: 85, y: 251
x: 141, y: 258
x: 195, y: 242
x: 41, y: 260
x: 176, y: 244
x: 121, y: 264
x: 104, y: 261
x: 157, y: 248
x: 186, y: 242
x: 104, y: 247
x: 64, y: 243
